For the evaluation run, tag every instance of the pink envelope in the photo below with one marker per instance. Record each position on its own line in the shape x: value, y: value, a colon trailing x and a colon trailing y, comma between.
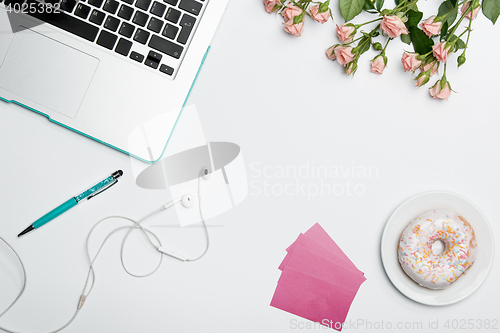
x: 310, y: 244
x: 313, y: 299
x: 307, y: 262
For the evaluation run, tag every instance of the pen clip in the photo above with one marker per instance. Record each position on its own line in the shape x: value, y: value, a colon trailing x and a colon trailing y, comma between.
x: 102, y: 190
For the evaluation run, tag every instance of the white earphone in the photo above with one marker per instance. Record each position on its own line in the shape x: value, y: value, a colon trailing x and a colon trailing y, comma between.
x: 187, y: 200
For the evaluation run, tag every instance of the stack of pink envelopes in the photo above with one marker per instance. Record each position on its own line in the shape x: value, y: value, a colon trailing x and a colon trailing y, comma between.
x: 318, y: 281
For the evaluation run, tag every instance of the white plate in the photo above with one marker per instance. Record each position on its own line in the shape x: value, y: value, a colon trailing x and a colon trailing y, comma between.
x: 467, y: 283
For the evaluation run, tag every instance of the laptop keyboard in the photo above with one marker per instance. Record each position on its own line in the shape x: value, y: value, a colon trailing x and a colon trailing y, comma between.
x: 153, y: 33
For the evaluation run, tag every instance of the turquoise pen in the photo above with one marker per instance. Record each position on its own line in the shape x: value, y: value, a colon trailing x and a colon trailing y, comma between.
x: 86, y: 195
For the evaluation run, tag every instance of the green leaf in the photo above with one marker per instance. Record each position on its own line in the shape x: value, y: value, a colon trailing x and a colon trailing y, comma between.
x: 444, y: 30
x: 459, y: 44
x: 448, y: 9
x: 414, y: 18
x: 351, y: 8
x: 379, y: 4
x: 421, y: 43
x: 491, y: 9
x: 369, y: 7
x: 406, y: 39
x: 363, y: 46
x: 453, y: 2
x: 299, y: 18
x: 323, y: 7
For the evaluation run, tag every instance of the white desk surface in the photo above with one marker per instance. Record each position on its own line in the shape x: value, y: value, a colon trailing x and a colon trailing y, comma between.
x: 287, y: 106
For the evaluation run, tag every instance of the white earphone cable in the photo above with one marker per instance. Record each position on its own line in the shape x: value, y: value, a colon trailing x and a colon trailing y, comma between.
x: 91, y: 273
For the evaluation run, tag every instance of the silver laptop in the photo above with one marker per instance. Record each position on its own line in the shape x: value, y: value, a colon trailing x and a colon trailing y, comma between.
x: 117, y: 71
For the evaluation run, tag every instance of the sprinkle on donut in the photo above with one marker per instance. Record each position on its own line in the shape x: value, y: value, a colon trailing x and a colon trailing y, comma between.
x: 437, y: 271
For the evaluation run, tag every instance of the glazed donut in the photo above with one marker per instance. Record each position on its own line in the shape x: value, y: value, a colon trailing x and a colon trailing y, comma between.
x: 437, y: 271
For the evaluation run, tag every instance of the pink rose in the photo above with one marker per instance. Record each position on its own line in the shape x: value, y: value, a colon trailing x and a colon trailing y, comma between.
x: 319, y: 17
x: 474, y: 11
x: 343, y: 54
x: 422, y: 79
x: 346, y: 32
x: 290, y: 12
x: 441, y: 51
x: 270, y: 4
x: 430, y: 27
x: 351, y: 68
x: 438, y: 93
x: 294, y: 29
x: 410, y: 61
x: 378, y: 65
x: 393, y: 26
x: 434, y: 65
x: 330, y: 53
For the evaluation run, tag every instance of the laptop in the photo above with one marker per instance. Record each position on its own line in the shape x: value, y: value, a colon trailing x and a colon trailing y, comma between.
x: 116, y: 71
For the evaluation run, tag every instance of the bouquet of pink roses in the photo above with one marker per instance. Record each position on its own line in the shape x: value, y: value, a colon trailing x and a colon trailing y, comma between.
x: 433, y: 39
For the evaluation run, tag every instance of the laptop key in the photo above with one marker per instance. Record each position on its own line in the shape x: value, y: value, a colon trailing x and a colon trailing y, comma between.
x: 187, y: 25
x: 107, y: 40
x: 140, y: 18
x: 155, y: 56
x: 112, y: 23
x: 166, y: 69
x: 172, y: 2
x: 111, y: 6
x: 126, y: 12
x: 97, y: 17
x: 68, y: 23
x: 170, y: 31
x: 141, y: 36
x: 96, y: 3
x: 123, y: 47
x: 173, y: 15
x: 68, y: 5
x: 136, y: 56
x: 191, y: 6
x: 151, y: 63
x: 126, y: 30
x: 128, y: 1
x: 143, y: 4
x: 158, y: 9
x: 82, y: 11
x: 166, y: 46
x: 155, y: 25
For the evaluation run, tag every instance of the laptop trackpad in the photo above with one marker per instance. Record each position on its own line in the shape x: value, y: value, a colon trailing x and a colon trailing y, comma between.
x: 47, y: 72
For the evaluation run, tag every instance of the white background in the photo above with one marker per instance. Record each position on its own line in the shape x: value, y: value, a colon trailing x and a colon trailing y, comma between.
x: 287, y: 106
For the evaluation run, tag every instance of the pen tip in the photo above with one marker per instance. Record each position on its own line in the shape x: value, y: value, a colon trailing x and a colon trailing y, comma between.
x: 25, y: 231
x: 117, y: 174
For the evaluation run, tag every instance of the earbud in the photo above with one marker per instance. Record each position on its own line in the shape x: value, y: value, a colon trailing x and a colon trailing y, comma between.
x: 206, y: 174
x: 187, y: 201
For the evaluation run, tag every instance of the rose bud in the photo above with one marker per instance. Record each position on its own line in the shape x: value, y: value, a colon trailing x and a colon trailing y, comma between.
x: 410, y: 61
x: 352, y: 67
x: 393, y: 26
x: 432, y: 66
x: 422, y: 79
x: 290, y: 12
x: 441, y: 51
x: 330, y: 53
x: 430, y: 27
x: 346, y: 32
x: 474, y: 12
x: 272, y: 5
x: 378, y: 64
x: 294, y: 29
x: 318, y: 15
x: 440, y: 92
x: 344, y: 54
